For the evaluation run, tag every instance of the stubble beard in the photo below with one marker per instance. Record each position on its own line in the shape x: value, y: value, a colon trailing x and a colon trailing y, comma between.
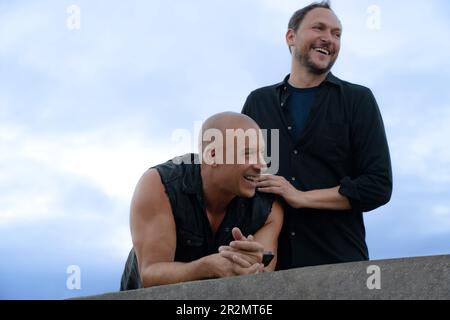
x: 305, y: 60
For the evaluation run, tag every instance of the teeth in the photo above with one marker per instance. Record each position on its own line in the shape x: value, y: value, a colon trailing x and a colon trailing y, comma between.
x: 322, y: 50
x: 251, y: 178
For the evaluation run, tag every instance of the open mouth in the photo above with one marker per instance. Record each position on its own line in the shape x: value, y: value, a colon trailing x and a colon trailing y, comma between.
x: 323, y: 51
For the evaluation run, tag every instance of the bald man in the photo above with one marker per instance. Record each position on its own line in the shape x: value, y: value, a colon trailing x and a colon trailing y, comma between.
x: 201, y: 217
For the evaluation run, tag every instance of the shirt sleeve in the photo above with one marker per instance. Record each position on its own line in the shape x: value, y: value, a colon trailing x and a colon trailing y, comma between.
x: 371, y: 185
x: 247, y: 106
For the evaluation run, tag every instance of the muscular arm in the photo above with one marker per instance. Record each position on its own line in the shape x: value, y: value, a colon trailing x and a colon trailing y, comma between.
x: 153, y: 233
x: 268, y: 234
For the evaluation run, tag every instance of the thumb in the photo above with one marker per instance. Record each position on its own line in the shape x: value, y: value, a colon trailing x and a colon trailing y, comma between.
x: 237, y: 234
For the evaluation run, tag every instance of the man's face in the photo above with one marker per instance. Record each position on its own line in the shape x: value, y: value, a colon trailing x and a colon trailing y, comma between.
x: 239, y: 176
x: 317, y: 42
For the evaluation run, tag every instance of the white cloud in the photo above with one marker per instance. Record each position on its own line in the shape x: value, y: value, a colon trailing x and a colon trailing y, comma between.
x: 27, y: 207
x: 112, y: 159
x: 38, y: 173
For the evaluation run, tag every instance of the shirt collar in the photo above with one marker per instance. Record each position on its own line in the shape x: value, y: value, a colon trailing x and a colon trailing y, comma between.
x: 330, y: 78
x: 192, y: 179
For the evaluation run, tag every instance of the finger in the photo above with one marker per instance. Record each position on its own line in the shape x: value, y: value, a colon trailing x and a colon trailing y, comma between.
x: 254, y: 269
x: 261, y: 267
x: 250, y: 246
x: 237, y: 234
x: 274, y: 190
x: 250, y: 238
x: 245, y: 271
x: 229, y: 257
x: 241, y: 262
x: 265, y: 177
x: 231, y: 254
x: 230, y: 249
x: 243, y: 252
x: 268, y: 184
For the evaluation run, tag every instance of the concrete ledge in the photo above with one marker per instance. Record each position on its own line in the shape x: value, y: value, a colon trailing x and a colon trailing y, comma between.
x: 408, y: 278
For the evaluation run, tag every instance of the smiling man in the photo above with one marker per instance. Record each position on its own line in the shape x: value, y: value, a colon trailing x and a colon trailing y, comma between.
x: 334, y: 158
x: 189, y: 215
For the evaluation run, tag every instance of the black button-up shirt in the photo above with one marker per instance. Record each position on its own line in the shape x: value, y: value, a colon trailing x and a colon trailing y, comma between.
x: 343, y: 144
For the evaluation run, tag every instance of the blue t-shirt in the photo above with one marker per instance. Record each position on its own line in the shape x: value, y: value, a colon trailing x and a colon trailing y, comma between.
x: 298, y: 107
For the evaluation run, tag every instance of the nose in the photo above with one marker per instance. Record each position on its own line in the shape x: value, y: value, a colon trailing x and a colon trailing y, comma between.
x: 326, y: 38
x: 261, y: 164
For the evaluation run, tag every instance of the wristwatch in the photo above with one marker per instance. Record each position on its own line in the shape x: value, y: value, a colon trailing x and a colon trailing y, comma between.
x: 267, y: 258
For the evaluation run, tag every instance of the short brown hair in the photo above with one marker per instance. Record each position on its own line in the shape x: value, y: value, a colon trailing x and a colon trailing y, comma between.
x: 299, y: 15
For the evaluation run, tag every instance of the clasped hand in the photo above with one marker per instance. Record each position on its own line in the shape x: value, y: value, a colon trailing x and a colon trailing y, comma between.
x: 245, y: 253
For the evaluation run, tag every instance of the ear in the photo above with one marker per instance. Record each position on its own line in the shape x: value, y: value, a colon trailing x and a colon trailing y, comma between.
x: 209, y: 156
x: 290, y: 37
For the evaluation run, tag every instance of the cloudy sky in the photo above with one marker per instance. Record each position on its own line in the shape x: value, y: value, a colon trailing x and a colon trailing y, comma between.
x: 85, y: 111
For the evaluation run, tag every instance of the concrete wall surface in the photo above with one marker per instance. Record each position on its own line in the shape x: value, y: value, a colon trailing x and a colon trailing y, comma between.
x: 407, y: 278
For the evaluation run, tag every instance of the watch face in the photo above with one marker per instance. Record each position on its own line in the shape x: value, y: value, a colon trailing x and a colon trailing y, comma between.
x: 267, y: 258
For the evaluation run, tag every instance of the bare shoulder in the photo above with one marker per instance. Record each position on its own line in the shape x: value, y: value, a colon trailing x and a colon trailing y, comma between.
x: 153, y: 228
x: 150, y: 181
x: 149, y: 196
x: 151, y: 213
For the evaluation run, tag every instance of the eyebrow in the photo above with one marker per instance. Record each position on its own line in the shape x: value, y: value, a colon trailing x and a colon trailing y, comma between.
x: 323, y: 24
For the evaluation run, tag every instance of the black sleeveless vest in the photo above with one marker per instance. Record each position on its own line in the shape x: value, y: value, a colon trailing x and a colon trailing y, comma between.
x: 183, y: 184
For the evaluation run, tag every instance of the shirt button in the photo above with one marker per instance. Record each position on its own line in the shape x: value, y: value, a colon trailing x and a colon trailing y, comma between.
x: 293, y: 179
x: 285, y: 88
x: 189, y: 241
x: 295, y: 152
x: 293, y: 234
x: 289, y: 128
x: 282, y: 104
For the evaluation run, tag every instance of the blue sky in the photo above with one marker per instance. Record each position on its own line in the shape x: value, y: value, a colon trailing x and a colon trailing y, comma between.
x: 83, y: 113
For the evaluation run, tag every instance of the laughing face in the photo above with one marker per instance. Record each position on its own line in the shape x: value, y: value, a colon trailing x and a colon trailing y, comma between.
x: 247, y: 174
x: 240, y: 174
x: 317, y: 42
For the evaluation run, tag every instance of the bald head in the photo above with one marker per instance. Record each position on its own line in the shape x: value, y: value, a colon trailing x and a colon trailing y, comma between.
x: 229, y: 120
x: 227, y: 129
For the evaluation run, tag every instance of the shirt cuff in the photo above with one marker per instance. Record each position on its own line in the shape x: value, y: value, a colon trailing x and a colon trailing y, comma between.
x: 349, y: 189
